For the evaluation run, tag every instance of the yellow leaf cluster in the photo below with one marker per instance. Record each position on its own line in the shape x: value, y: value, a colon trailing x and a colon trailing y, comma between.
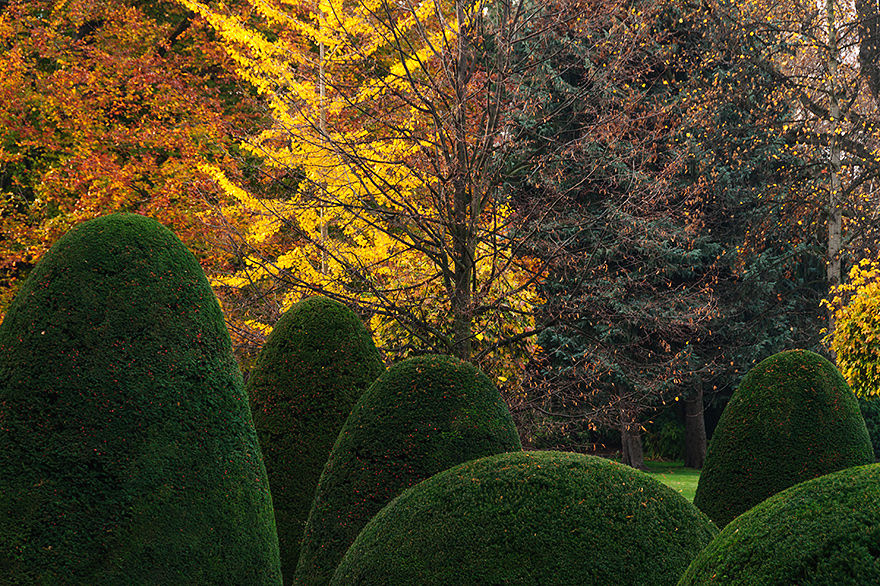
x: 856, y: 336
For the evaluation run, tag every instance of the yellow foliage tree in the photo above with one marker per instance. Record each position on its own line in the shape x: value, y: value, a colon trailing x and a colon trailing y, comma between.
x: 856, y: 336
x: 383, y: 169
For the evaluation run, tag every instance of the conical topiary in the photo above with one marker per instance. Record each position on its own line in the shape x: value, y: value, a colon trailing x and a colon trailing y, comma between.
x: 316, y: 363
x: 792, y: 418
x: 127, y: 451
x: 532, y: 519
x: 822, y: 531
x: 420, y: 417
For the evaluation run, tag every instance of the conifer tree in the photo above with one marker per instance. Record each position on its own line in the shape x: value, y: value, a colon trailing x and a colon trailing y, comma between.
x: 422, y: 416
x: 128, y: 452
x: 317, y: 362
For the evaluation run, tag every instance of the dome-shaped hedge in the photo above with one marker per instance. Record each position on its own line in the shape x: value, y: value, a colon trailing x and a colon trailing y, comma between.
x: 792, y: 418
x: 316, y: 363
x: 127, y: 450
x: 421, y: 416
x: 822, y: 531
x: 530, y: 518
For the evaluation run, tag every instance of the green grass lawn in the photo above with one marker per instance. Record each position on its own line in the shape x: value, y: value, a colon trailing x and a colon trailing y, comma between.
x: 676, y: 476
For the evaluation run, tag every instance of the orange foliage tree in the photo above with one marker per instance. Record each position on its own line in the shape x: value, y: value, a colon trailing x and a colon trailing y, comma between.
x: 107, y: 107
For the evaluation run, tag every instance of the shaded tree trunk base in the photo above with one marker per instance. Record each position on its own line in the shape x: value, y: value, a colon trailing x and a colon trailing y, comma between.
x: 695, y: 444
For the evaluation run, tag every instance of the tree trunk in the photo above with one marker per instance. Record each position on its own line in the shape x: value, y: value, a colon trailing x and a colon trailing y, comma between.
x: 694, y: 428
x: 462, y: 224
x: 835, y: 212
x: 631, y: 441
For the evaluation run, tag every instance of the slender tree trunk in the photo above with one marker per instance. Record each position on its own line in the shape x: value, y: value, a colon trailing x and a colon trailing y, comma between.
x: 835, y: 212
x: 464, y: 207
x: 694, y: 428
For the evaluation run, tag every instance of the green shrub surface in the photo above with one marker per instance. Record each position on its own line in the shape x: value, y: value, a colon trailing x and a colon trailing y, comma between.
x: 316, y: 363
x: 530, y: 518
x: 420, y: 417
x: 824, y: 531
x: 127, y: 451
x: 792, y: 418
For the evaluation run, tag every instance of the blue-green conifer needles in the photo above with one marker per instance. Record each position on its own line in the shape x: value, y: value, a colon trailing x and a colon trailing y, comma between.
x: 127, y: 451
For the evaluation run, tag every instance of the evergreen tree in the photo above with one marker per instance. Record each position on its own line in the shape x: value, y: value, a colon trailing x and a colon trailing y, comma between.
x: 317, y: 362
x: 422, y: 416
x: 128, y: 452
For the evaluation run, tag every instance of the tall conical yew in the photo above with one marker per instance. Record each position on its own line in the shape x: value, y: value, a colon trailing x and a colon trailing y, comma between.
x: 316, y: 363
x: 420, y: 417
x: 127, y: 451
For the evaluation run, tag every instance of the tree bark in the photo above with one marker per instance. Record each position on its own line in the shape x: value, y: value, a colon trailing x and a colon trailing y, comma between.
x: 632, y: 453
x: 835, y: 211
x: 694, y: 428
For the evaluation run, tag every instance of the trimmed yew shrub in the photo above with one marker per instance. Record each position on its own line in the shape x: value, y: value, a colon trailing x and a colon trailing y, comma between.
x: 316, y: 363
x: 127, y: 451
x: 421, y: 416
x: 822, y: 531
x: 792, y: 418
x: 530, y: 518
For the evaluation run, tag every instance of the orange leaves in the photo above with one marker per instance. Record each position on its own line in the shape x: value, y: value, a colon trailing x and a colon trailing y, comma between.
x: 99, y: 112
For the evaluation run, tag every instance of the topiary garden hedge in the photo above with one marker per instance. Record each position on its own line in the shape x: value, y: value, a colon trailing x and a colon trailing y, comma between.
x: 316, y: 363
x: 822, y: 531
x: 127, y: 451
x: 530, y: 518
x: 792, y: 418
x: 420, y: 417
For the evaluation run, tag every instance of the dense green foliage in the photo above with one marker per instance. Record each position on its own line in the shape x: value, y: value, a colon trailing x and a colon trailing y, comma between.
x: 530, y: 518
x: 870, y: 409
x: 793, y: 418
x: 420, y: 417
x: 317, y: 362
x: 823, y: 531
x: 127, y: 450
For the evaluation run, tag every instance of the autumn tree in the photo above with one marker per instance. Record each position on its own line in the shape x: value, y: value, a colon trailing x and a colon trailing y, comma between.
x: 818, y: 60
x: 108, y: 107
x: 387, y: 160
x: 855, y: 340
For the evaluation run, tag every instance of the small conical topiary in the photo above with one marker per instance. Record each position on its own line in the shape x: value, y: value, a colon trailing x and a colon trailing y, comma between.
x: 822, y: 531
x: 316, y: 363
x: 532, y: 519
x: 420, y: 417
x: 127, y: 451
x: 792, y: 418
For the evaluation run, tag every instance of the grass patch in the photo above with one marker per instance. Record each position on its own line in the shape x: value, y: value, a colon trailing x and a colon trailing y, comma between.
x: 676, y: 476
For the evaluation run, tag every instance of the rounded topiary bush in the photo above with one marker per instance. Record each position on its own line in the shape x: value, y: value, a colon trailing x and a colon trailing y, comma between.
x: 421, y: 416
x: 530, y: 518
x: 316, y: 363
x: 792, y: 418
x: 127, y: 450
x: 822, y: 531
